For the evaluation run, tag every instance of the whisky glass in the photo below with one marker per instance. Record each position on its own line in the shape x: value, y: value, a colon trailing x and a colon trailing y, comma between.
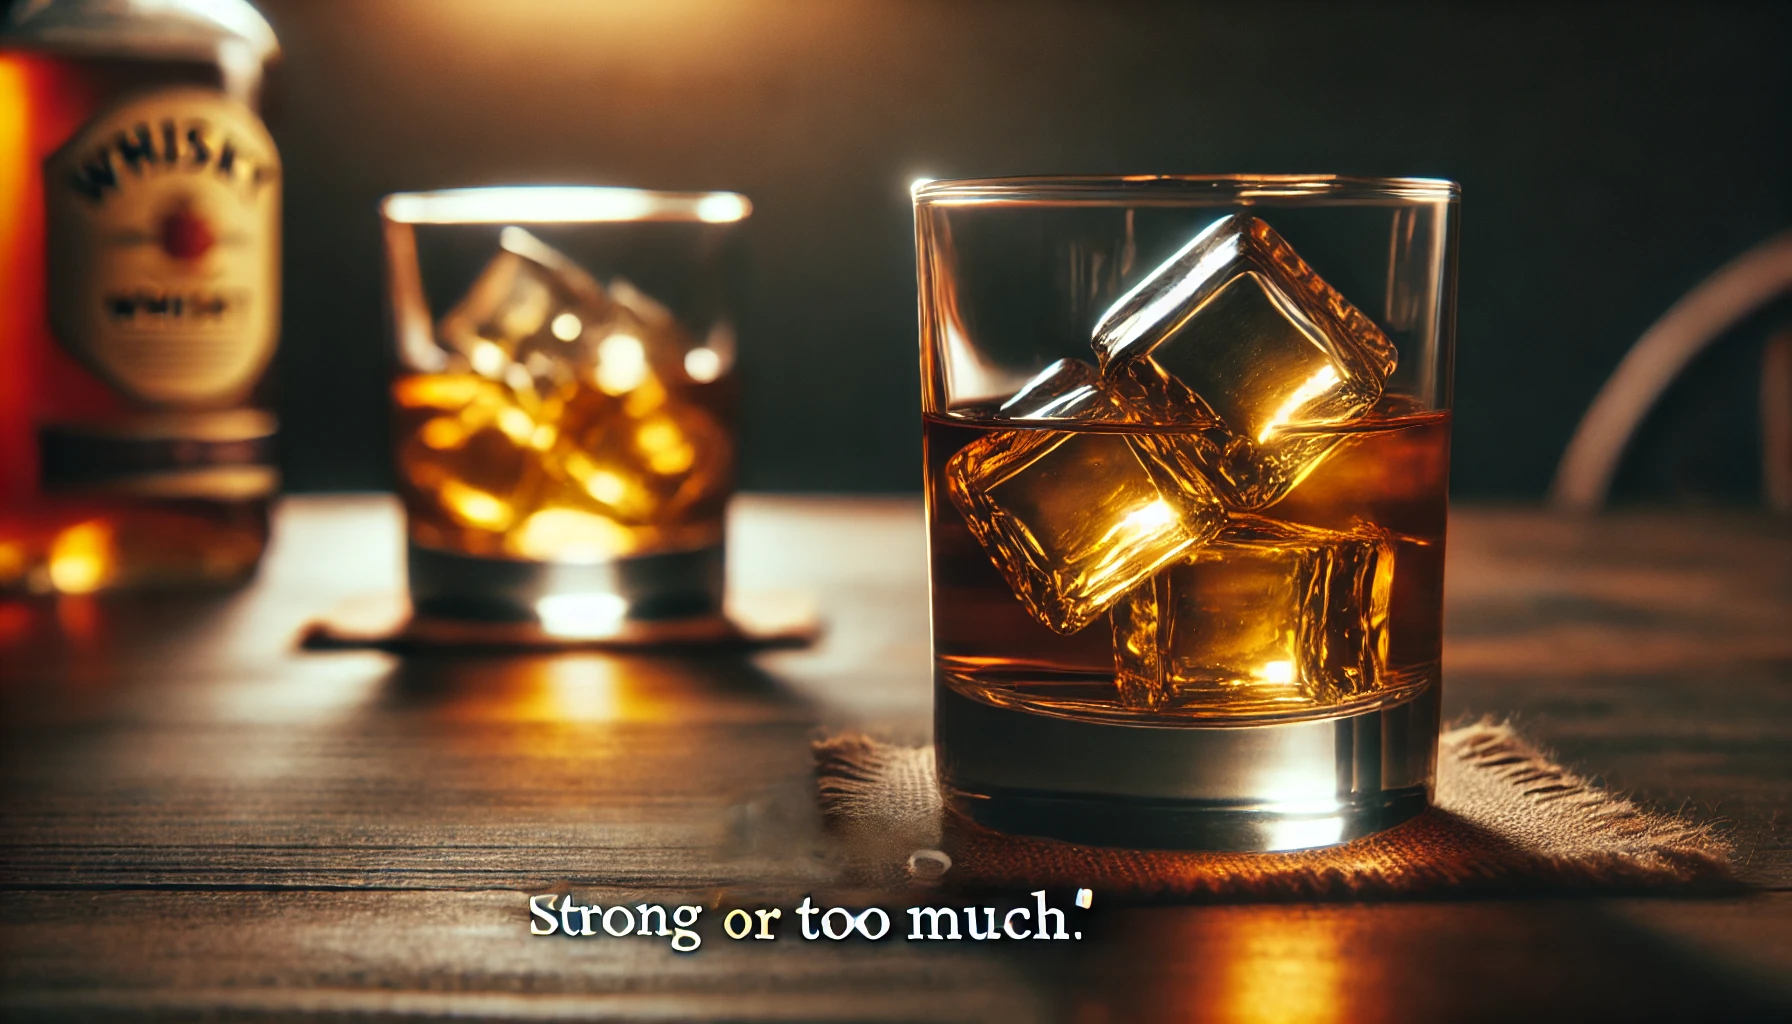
x: 564, y: 402
x: 1187, y: 458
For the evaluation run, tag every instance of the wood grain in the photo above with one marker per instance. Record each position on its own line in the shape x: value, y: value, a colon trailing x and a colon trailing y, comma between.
x: 196, y: 819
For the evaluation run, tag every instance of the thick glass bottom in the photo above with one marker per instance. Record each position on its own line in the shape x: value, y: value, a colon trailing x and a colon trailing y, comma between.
x: 1280, y: 786
x: 582, y: 597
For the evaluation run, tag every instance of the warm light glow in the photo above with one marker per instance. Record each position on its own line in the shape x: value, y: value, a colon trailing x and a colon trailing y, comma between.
x: 703, y: 364
x: 475, y: 507
x: 644, y: 399
x: 584, y: 691
x: 568, y: 535
x: 81, y: 558
x: 1141, y: 522
x: 1304, y: 833
x: 12, y: 562
x: 432, y: 391
x: 665, y: 446
x: 581, y: 616
x: 443, y: 433
x: 918, y: 184
x: 1279, y: 672
x: 1278, y: 964
x: 621, y: 364
x: 721, y: 208
x: 488, y: 360
x: 566, y: 326
x: 558, y: 204
x: 1304, y: 796
x: 607, y: 487
x: 1322, y: 381
x: 516, y: 424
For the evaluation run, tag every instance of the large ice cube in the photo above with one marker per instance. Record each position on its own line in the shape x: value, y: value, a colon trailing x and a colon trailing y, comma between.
x: 644, y: 457
x: 1267, y: 615
x: 474, y: 450
x: 1074, y: 519
x: 1236, y: 337
x: 563, y: 430
x: 528, y: 293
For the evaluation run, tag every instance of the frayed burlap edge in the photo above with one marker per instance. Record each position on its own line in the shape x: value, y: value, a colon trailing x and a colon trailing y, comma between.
x: 1491, y: 776
x: 1507, y: 819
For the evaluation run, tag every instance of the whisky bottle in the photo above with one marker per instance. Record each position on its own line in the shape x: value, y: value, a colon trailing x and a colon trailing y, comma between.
x: 139, y: 294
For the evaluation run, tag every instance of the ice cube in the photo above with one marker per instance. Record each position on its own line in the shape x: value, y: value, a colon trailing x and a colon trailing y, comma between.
x: 473, y: 451
x: 1236, y: 336
x: 528, y: 292
x: 639, y: 349
x: 1068, y: 389
x: 1074, y: 519
x: 1267, y: 615
x: 562, y: 428
x: 646, y: 456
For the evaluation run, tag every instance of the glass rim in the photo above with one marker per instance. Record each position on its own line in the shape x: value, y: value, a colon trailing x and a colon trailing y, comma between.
x: 562, y: 204
x: 1116, y: 189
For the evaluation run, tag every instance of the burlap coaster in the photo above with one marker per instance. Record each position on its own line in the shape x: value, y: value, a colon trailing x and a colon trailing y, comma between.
x: 1507, y: 820
x: 386, y: 622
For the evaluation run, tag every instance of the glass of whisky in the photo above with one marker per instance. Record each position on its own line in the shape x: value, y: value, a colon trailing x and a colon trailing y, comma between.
x: 564, y: 402
x: 1187, y: 454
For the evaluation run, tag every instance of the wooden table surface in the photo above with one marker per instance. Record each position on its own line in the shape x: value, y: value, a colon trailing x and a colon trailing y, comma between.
x: 198, y: 820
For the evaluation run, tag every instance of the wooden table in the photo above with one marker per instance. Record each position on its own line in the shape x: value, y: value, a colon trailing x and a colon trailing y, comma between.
x: 199, y: 820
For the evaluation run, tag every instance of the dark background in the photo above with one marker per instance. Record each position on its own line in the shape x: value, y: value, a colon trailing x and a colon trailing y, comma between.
x: 1610, y: 156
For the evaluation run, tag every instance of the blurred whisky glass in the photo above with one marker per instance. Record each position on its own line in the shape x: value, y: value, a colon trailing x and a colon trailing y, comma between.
x: 564, y: 401
x: 1187, y: 453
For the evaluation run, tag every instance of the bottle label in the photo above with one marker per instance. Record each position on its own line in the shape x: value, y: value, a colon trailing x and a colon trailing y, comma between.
x: 163, y: 267
x: 163, y: 217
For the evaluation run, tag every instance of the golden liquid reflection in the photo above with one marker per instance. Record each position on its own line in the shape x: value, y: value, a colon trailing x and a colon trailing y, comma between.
x: 586, y: 688
x: 1246, y: 964
x: 571, y: 690
x: 1282, y: 967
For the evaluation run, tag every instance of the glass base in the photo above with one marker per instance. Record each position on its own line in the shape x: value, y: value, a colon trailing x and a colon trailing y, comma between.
x: 1280, y: 786
x: 670, y: 585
